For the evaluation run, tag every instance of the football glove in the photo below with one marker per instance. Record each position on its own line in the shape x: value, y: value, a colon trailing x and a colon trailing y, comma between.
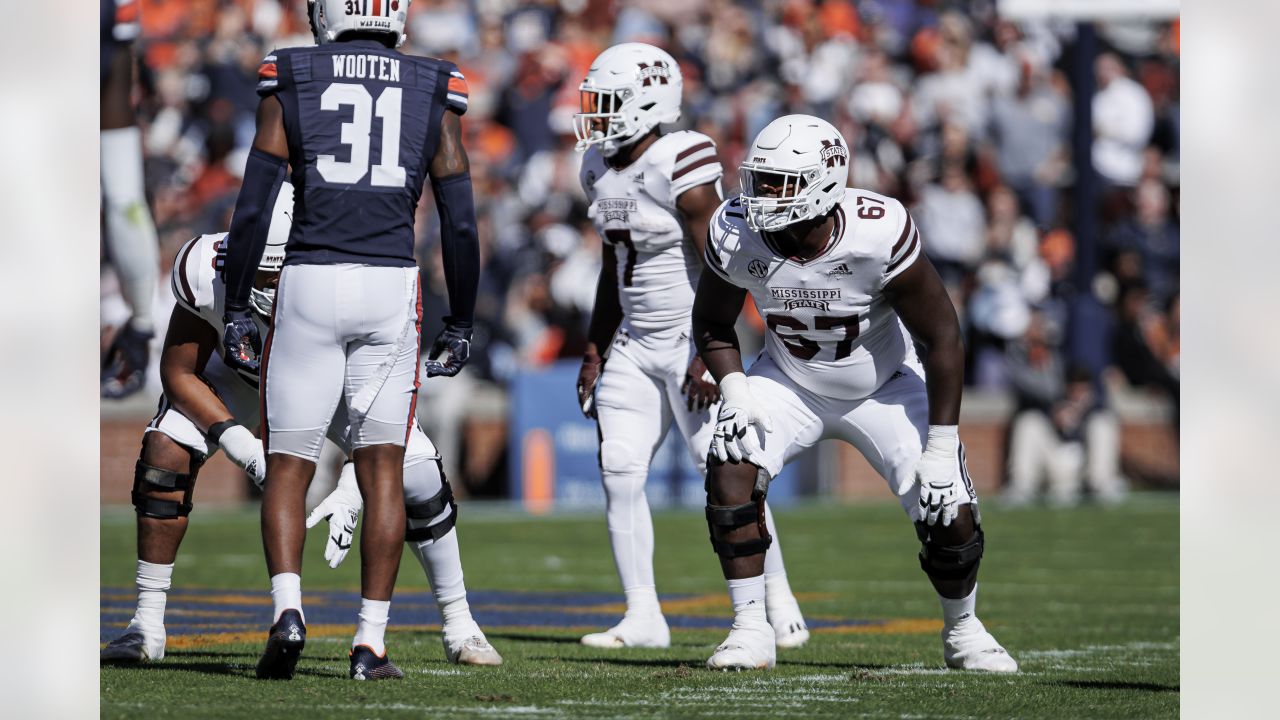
x: 454, y: 339
x: 124, y: 367
x: 735, y: 439
x: 242, y: 448
x: 938, y: 475
x: 699, y: 388
x: 241, y: 343
x: 342, y: 509
x: 588, y: 376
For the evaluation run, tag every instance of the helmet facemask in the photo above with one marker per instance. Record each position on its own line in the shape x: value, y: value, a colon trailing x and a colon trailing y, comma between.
x: 777, y: 197
x: 603, y: 120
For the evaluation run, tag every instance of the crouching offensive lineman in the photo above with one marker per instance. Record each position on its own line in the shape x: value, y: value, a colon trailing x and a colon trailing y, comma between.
x: 207, y: 406
x: 839, y: 277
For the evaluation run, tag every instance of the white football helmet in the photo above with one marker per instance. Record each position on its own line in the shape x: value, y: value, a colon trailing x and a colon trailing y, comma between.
x: 796, y: 169
x: 630, y: 89
x: 331, y: 18
x: 272, y: 260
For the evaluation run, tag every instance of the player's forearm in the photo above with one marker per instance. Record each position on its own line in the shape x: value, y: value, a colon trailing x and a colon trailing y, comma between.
x: 606, y: 314
x: 944, y: 378
x: 263, y: 176
x: 193, y: 397
x: 459, y: 245
x: 717, y: 343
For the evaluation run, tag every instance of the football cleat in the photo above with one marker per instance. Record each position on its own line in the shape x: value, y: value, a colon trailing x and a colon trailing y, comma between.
x: 470, y: 650
x: 788, y: 623
x: 968, y: 646
x: 366, y: 665
x: 284, y: 646
x: 748, y: 647
x: 638, y: 631
x: 134, y: 646
x: 124, y: 367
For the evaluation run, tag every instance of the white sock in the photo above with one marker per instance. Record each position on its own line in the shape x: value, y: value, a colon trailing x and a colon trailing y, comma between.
x: 957, y: 611
x: 630, y: 528
x: 642, y: 600
x: 747, y: 596
x: 153, y: 581
x: 286, y: 594
x: 458, y: 622
x: 776, y: 587
x: 131, y: 234
x: 772, y: 556
x: 373, y: 625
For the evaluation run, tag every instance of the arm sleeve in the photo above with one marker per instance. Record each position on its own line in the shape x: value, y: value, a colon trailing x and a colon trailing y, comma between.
x: 459, y: 244
x: 268, y: 75
x: 263, y: 175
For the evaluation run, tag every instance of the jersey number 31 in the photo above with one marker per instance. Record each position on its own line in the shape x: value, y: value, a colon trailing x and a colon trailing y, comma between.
x: 387, y: 173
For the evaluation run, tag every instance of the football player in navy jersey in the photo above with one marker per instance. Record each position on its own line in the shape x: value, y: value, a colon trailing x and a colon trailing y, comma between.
x: 130, y: 233
x: 359, y: 127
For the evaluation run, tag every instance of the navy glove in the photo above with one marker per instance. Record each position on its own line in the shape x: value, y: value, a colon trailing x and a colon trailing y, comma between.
x: 241, y: 343
x: 456, y: 340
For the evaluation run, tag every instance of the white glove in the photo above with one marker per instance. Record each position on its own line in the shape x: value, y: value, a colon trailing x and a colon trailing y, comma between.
x: 938, y: 474
x: 734, y: 439
x: 245, y: 450
x: 342, y: 509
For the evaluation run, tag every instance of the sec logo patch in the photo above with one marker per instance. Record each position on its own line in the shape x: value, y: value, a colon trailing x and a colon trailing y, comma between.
x: 757, y: 268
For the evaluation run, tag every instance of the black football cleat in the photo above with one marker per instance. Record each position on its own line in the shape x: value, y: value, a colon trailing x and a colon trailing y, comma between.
x: 365, y: 665
x: 284, y: 646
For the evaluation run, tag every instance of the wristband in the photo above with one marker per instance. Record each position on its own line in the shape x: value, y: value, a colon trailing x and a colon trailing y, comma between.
x: 734, y: 388
x: 943, y: 439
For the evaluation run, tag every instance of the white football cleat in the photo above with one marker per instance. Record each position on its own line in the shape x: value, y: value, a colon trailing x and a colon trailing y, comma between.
x: 788, y: 623
x: 471, y: 650
x: 968, y: 646
x: 637, y: 631
x: 137, y: 644
x: 748, y: 647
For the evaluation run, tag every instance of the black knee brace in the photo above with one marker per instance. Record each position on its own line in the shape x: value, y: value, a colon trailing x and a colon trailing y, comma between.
x: 950, y: 562
x: 429, y: 510
x: 722, y: 519
x: 148, y: 478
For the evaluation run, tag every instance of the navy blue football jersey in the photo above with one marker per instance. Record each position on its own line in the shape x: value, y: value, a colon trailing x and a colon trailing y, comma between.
x: 117, y: 25
x: 363, y: 123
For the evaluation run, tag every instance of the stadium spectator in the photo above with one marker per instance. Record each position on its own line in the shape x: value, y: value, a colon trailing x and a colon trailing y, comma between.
x: 1122, y: 122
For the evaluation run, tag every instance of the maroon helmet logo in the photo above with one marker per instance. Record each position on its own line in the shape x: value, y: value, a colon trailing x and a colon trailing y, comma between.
x: 833, y: 151
x: 657, y: 71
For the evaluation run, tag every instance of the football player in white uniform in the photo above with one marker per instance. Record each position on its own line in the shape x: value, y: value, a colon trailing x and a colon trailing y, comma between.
x: 207, y: 406
x: 652, y: 196
x: 839, y: 277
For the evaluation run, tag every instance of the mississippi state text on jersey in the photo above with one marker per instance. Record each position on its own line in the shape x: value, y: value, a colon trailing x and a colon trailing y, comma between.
x: 634, y: 209
x: 830, y: 328
x: 363, y: 123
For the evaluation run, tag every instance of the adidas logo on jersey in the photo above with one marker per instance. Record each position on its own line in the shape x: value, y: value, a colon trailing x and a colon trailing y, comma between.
x: 841, y: 269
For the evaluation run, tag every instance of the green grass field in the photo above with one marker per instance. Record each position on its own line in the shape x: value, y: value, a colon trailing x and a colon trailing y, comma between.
x: 1086, y: 600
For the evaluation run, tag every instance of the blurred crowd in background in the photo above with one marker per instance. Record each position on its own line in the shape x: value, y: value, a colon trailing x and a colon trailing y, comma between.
x: 964, y: 116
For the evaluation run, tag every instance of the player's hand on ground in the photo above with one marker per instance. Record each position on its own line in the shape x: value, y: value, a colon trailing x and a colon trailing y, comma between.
x: 241, y: 342
x: 938, y: 475
x: 242, y: 448
x: 735, y: 437
x: 700, y: 389
x: 342, y: 509
x: 455, y: 340
x: 588, y: 376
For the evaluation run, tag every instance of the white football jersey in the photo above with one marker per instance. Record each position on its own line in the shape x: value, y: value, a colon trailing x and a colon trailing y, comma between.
x: 634, y: 209
x: 830, y: 328
x: 197, y: 285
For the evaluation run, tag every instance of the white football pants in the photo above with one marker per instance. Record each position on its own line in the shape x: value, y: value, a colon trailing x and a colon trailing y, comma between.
x: 637, y: 397
x: 341, y: 333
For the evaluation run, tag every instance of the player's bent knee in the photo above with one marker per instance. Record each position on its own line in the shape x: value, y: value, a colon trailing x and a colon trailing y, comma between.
x: 941, y: 560
x: 149, y: 481
x: 724, y: 519
x: 422, y: 519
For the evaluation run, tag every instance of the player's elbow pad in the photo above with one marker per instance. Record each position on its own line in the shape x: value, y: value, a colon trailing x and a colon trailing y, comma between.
x: 264, y: 173
x: 460, y: 246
